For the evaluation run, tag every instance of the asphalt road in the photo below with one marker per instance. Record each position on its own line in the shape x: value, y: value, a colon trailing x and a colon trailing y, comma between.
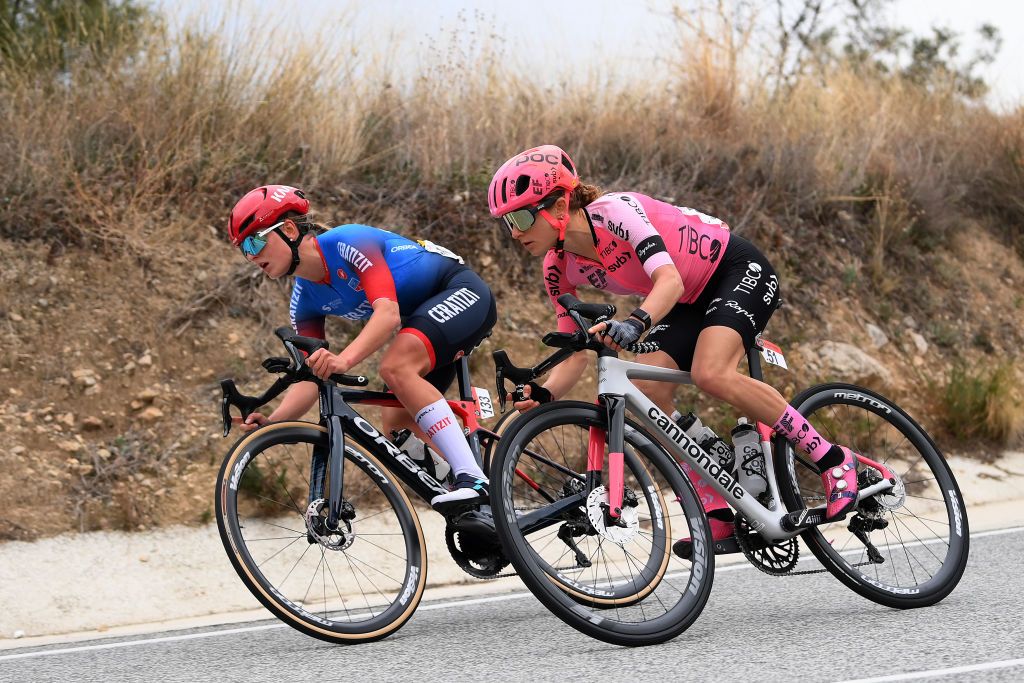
x: 755, y: 627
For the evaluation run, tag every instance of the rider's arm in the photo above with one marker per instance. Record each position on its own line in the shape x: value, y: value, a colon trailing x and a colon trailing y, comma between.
x: 379, y: 329
x: 665, y: 294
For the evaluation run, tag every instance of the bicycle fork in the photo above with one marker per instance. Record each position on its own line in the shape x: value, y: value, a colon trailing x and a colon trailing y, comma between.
x: 615, y: 410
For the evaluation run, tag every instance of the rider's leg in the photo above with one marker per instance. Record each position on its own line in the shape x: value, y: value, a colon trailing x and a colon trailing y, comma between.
x: 402, y: 368
x: 718, y: 353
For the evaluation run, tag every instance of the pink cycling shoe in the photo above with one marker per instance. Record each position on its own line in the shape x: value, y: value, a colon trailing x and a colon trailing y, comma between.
x: 840, y: 484
x: 720, y: 530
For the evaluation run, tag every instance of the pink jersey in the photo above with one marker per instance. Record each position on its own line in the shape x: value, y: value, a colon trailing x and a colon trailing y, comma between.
x: 635, y: 235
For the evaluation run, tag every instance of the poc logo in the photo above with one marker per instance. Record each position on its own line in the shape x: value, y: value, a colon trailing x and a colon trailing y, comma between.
x: 537, y: 157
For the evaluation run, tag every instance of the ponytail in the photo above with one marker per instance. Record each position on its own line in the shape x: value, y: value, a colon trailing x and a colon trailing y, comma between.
x: 582, y: 195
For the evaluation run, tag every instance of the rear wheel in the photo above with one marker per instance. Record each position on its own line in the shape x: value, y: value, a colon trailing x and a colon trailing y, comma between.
x: 919, y: 528
x: 620, y: 584
x: 358, y: 583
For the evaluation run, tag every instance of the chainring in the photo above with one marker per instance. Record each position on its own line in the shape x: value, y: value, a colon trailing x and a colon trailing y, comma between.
x: 777, y: 559
x: 479, y: 559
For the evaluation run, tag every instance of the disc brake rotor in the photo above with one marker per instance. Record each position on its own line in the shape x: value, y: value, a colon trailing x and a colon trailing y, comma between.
x: 316, y: 526
x: 629, y: 519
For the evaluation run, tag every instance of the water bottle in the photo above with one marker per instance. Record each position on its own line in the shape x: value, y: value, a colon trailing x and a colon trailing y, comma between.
x: 437, y: 466
x: 706, y: 438
x: 750, y: 465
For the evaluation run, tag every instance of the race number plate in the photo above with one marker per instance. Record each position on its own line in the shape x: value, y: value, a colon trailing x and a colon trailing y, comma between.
x: 773, y: 354
x: 483, y: 399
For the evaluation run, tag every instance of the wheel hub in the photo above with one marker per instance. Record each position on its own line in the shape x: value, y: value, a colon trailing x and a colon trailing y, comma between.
x: 316, y: 526
x: 628, y: 526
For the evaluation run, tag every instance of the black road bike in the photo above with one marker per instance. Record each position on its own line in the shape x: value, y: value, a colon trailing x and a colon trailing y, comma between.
x: 313, y: 516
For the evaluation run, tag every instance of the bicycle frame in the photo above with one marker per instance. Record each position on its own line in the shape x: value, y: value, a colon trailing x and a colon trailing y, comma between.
x: 617, y: 393
x: 342, y: 422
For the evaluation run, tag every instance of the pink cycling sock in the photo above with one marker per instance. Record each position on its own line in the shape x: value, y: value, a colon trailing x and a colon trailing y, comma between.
x: 799, y: 432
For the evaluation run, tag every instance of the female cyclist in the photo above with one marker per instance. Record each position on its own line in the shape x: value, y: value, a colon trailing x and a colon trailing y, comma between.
x: 439, y: 308
x: 707, y: 294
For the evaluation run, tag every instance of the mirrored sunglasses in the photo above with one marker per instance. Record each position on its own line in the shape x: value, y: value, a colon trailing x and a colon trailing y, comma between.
x: 523, y: 219
x: 254, y: 243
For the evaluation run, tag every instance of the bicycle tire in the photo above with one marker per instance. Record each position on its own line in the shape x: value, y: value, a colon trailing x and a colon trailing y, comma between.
x: 869, y: 423
x: 242, y: 488
x: 667, y: 499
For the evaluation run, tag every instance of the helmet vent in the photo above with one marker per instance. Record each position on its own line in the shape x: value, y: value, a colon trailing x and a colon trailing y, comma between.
x: 245, y: 224
x: 522, y: 184
x: 568, y: 164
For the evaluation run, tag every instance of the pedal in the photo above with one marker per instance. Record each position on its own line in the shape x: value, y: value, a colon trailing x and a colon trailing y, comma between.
x: 727, y: 546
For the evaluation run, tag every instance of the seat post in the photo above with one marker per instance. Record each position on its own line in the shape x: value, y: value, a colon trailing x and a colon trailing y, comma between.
x: 754, y: 363
x: 462, y: 374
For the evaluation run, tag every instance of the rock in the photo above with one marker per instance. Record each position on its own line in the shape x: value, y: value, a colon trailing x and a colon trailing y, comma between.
x: 146, y: 360
x: 92, y: 423
x: 137, y: 404
x: 909, y: 322
x: 233, y: 338
x: 69, y: 446
x: 84, y: 377
x: 17, y: 450
x: 844, y: 362
x: 62, y: 382
x: 919, y: 342
x: 94, y: 389
x: 878, y: 338
x: 147, y: 395
x: 14, y: 317
x: 104, y: 453
x: 67, y: 419
x: 18, y: 634
x: 151, y: 414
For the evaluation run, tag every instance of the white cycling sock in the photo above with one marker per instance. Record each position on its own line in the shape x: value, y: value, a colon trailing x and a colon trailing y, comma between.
x: 439, y: 423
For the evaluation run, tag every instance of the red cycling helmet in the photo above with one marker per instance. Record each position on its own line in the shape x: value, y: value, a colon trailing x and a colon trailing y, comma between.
x: 262, y: 207
x: 530, y: 176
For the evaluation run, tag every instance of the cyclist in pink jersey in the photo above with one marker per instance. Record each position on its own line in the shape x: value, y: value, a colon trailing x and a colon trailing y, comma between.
x: 707, y: 294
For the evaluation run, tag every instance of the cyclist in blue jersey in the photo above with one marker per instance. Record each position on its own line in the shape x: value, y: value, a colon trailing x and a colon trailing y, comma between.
x: 417, y: 298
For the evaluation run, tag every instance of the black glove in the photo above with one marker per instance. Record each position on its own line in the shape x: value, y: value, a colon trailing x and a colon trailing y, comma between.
x: 539, y: 394
x: 625, y: 332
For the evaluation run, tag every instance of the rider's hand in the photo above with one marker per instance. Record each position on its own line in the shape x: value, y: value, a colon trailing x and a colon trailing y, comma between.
x: 252, y: 422
x: 323, y: 363
x: 616, y: 334
x: 532, y: 389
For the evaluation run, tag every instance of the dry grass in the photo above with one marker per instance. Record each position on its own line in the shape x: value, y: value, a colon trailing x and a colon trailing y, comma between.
x: 173, y: 134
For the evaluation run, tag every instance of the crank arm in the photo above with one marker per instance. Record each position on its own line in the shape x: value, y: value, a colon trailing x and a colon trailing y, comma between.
x: 811, y: 517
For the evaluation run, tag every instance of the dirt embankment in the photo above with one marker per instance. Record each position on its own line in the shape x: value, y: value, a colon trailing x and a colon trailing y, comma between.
x: 109, y: 362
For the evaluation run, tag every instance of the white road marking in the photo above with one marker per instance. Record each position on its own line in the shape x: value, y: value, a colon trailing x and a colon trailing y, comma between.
x: 934, y: 673
x: 424, y: 608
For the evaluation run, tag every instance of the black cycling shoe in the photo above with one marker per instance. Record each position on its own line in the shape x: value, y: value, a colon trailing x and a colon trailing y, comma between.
x: 468, y: 490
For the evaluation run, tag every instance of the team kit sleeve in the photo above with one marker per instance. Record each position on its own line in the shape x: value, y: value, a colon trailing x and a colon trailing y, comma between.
x: 556, y: 284
x: 642, y: 235
x: 365, y: 256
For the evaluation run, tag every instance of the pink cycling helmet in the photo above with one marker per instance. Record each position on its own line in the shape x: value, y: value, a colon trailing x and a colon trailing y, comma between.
x: 530, y: 176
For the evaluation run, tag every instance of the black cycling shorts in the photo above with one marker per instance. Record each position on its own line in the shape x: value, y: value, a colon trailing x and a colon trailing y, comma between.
x: 742, y: 294
x: 452, y: 323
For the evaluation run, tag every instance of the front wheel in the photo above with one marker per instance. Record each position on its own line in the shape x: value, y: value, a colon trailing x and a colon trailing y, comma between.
x: 918, y: 528
x: 357, y: 583
x: 617, y: 583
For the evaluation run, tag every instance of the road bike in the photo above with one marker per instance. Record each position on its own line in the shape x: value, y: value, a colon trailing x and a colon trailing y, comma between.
x: 904, y: 545
x: 313, y: 516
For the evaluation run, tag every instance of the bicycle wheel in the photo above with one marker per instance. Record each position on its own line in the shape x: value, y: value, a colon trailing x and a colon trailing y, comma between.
x: 619, y: 584
x: 919, y: 528
x: 356, y: 585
